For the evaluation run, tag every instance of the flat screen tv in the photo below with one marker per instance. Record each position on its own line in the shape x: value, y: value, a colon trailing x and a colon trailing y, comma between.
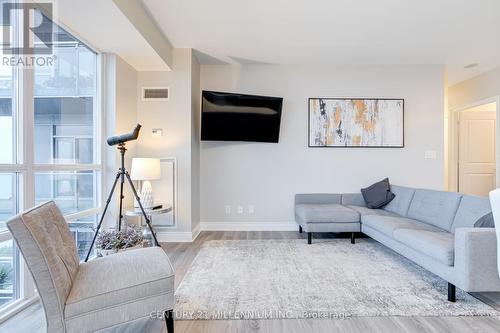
x: 239, y: 117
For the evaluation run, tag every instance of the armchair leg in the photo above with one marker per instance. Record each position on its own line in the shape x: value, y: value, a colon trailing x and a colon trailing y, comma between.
x: 169, y: 320
x: 353, y: 240
x: 452, y: 293
x: 309, y: 238
x: 300, y: 229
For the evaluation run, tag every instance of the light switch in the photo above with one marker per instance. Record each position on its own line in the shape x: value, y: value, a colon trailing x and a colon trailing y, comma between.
x: 157, y: 132
x: 430, y: 154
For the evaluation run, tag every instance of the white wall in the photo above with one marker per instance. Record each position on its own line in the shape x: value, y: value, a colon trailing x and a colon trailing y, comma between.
x: 476, y: 89
x: 120, y: 103
x: 175, y: 118
x: 484, y: 87
x: 268, y: 175
x: 195, y: 143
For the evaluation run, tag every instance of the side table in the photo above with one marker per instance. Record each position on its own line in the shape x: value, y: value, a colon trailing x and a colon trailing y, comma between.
x: 136, y: 212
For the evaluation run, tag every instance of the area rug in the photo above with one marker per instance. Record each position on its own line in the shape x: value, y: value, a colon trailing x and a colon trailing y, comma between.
x: 278, y: 279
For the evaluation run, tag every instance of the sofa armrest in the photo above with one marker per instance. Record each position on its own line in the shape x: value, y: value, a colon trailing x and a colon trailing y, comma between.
x: 318, y: 198
x: 476, y: 259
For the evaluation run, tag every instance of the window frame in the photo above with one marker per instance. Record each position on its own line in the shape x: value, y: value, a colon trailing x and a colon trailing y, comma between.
x: 24, y: 167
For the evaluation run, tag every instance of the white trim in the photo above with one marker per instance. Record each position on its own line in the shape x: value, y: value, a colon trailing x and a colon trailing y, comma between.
x: 83, y: 213
x: 196, y: 231
x: 453, y: 140
x: 249, y: 226
x: 68, y: 167
x: 178, y: 236
x: 5, y: 236
x: 12, y: 309
x: 173, y: 160
x: 187, y: 237
x: 12, y: 168
x: 175, y: 236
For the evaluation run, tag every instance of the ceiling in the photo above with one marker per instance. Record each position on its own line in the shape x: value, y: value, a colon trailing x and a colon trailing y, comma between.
x: 102, y: 25
x: 338, y: 32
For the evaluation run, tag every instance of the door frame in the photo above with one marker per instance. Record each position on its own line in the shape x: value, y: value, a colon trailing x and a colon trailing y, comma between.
x: 453, y: 164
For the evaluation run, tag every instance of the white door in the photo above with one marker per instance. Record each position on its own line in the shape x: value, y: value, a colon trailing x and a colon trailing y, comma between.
x: 476, y: 153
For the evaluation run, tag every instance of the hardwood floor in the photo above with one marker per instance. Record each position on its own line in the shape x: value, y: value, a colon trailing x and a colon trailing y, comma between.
x: 32, y: 319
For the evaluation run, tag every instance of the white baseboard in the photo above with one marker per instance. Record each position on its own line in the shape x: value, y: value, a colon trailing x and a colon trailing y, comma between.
x: 174, y: 236
x: 186, y: 236
x: 196, y: 231
x: 249, y: 226
x: 178, y: 236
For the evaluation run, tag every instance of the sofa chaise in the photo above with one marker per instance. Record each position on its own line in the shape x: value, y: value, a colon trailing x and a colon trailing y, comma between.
x: 434, y: 229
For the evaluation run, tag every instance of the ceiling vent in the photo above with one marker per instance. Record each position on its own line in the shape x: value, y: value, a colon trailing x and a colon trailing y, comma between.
x: 155, y: 93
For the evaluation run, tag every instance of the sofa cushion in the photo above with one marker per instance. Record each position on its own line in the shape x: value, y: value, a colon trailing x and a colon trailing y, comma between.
x: 438, y: 245
x: 378, y: 194
x: 470, y: 210
x: 317, y: 213
x: 401, y: 203
x: 368, y: 211
x: 437, y: 208
x: 388, y: 224
x: 107, y: 282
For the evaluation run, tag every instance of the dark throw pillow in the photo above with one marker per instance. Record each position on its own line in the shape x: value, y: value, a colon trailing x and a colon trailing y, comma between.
x: 485, y: 222
x: 378, y: 195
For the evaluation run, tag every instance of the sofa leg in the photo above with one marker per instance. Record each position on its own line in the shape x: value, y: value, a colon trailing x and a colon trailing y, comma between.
x: 309, y: 238
x: 169, y: 320
x: 452, y: 293
x: 353, y: 240
x: 300, y: 229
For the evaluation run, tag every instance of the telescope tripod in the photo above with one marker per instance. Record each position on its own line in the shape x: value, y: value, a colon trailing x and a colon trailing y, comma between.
x: 121, y: 175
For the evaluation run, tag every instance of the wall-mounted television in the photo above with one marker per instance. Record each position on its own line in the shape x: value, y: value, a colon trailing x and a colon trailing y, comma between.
x: 239, y: 117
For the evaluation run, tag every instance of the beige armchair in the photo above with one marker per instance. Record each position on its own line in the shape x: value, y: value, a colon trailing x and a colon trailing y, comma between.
x: 103, y: 294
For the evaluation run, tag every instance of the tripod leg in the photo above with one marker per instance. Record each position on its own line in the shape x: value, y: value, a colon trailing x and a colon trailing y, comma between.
x: 148, y: 221
x: 102, y: 216
x: 120, y: 216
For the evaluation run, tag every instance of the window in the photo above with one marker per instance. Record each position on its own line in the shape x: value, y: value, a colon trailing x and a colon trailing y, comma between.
x: 73, y: 191
x: 9, y: 265
x: 53, y: 111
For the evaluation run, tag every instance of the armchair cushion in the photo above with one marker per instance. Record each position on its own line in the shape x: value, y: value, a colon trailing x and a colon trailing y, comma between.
x: 129, y: 276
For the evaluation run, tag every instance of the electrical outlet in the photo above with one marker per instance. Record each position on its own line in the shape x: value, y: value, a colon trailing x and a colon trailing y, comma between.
x: 228, y: 209
x: 251, y: 209
x: 430, y: 154
x: 240, y: 209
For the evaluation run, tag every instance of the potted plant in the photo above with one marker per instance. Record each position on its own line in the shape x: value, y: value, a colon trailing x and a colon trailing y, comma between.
x: 113, y: 241
x: 4, y: 276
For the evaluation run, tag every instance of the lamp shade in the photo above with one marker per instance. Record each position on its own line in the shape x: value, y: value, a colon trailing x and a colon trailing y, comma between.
x: 145, y: 169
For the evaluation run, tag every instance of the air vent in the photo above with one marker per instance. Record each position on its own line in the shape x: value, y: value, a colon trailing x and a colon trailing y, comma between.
x: 155, y: 94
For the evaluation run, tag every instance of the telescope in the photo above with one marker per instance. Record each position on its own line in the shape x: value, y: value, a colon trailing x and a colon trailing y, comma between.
x: 120, y: 139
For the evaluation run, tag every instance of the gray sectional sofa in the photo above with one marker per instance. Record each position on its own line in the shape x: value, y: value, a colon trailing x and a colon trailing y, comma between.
x: 435, y: 229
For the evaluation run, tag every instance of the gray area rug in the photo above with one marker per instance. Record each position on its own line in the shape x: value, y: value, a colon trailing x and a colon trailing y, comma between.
x: 269, y: 279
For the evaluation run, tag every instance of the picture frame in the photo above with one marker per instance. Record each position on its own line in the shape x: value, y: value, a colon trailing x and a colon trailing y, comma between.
x: 356, y: 122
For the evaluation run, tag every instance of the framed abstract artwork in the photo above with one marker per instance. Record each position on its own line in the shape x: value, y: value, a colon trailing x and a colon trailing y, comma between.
x: 351, y: 122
